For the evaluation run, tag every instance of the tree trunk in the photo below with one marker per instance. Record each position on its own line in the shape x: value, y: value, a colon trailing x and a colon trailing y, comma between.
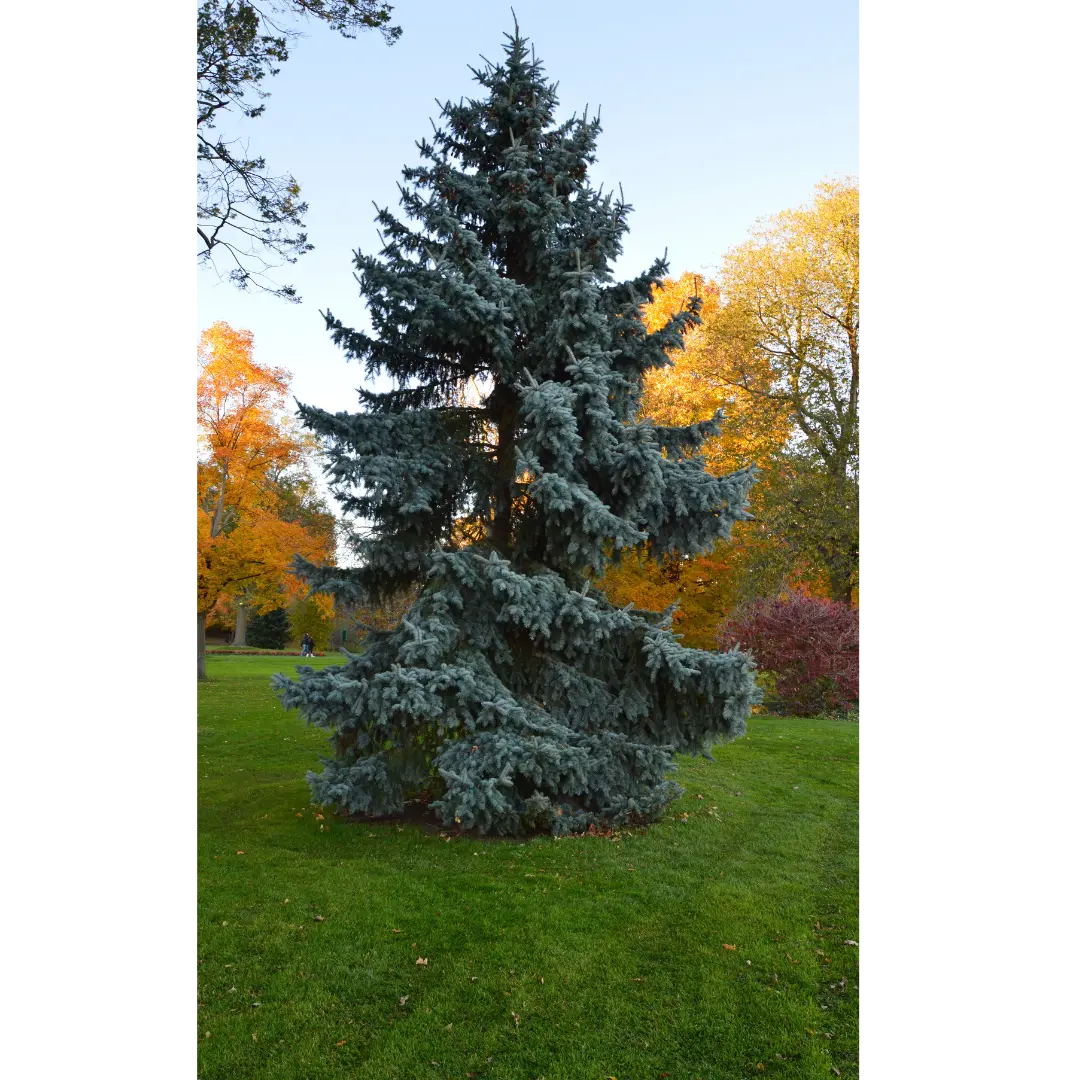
x: 219, y: 510
x: 202, y: 644
x: 240, y: 637
x: 503, y: 404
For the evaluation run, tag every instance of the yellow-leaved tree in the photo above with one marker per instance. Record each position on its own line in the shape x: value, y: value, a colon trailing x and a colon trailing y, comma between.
x: 777, y: 352
x: 257, y: 506
x: 787, y: 338
x: 693, y: 389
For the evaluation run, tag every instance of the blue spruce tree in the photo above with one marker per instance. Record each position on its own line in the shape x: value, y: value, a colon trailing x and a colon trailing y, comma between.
x: 504, y: 470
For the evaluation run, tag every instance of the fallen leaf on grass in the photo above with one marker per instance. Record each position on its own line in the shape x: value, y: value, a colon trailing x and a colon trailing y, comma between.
x: 473, y: 978
x: 341, y: 1042
x: 254, y: 1036
x: 851, y: 943
x: 241, y: 853
x: 421, y: 961
x: 517, y: 1019
x: 639, y: 980
x: 731, y: 948
x: 449, y: 1027
x: 395, y: 931
x: 319, y: 918
x: 300, y: 815
x: 403, y: 1000
x: 836, y: 1070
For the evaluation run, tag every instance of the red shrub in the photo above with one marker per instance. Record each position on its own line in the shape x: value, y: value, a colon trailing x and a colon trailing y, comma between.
x: 810, y: 645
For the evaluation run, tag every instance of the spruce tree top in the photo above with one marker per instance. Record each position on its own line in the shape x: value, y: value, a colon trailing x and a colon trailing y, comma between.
x: 506, y: 468
x: 501, y: 282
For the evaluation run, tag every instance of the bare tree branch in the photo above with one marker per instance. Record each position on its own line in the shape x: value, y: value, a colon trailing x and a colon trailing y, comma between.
x: 244, y: 212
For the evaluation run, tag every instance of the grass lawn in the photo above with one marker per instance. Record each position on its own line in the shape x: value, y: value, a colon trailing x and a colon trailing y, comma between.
x: 254, y: 650
x: 574, y: 959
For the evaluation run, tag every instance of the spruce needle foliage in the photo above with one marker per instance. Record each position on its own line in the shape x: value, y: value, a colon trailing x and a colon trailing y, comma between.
x: 504, y: 470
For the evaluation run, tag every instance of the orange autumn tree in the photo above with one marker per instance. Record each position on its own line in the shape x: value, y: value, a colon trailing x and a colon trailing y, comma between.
x: 255, y: 504
x: 693, y: 389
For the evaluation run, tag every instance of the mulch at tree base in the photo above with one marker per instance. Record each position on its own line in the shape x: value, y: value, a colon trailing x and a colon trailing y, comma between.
x: 418, y: 812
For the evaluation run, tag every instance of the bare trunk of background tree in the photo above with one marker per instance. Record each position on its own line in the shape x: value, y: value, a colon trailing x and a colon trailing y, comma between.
x: 240, y: 636
x: 202, y: 644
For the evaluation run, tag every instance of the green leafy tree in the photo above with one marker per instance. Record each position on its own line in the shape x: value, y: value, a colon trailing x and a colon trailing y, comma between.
x: 811, y: 519
x: 249, y: 220
x: 504, y: 470
x: 307, y: 617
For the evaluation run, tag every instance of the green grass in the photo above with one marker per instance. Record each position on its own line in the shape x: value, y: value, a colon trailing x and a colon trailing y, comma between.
x: 609, y: 951
x: 253, y: 650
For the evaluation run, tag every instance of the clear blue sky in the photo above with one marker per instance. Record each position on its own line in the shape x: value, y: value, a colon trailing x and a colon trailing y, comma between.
x: 714, y: 114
